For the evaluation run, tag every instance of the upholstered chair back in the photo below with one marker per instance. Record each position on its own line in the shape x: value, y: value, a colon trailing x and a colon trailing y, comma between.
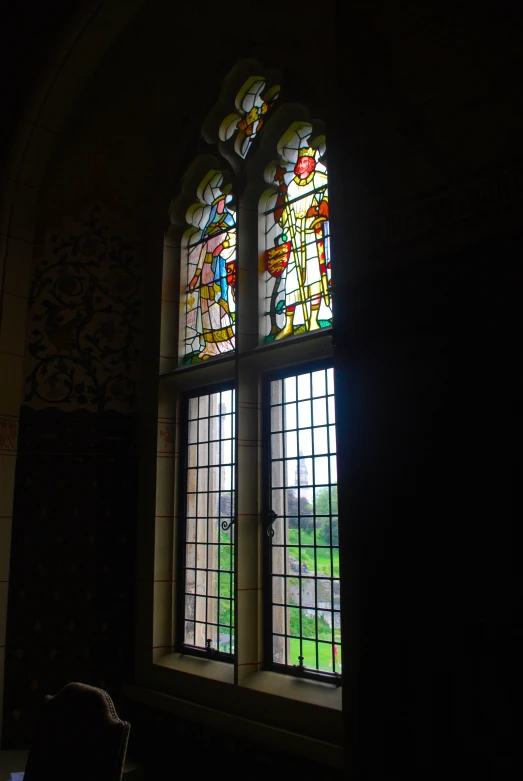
x: 79, y: 738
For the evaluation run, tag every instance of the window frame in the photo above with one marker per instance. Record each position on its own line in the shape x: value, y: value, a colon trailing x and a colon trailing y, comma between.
x: 194, y: 684
x: 267, y: 377
x: 181, y: 479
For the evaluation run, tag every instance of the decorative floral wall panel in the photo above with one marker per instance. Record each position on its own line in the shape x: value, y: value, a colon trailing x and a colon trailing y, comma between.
x: 84, y: 316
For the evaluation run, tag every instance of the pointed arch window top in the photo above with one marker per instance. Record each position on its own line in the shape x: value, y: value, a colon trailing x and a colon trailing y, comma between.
x: 210, y: 271
x: 247, y: 95
x: 253, y: 101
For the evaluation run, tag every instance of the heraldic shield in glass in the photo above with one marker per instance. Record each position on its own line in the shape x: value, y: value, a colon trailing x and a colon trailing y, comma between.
x: 296, y: 260
x: 210, y: 310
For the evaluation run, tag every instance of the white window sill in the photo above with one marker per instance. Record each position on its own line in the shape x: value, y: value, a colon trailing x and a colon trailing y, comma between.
x: 195, y: 665
x: 324, y: 695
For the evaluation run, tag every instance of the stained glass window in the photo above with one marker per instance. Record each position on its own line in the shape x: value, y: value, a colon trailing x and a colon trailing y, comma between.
x: 208, y: 594
x: 297, y: 265
x: 210, y: 283
x: 253, y: 102
x: 304, y: 560
x: 296, y: 474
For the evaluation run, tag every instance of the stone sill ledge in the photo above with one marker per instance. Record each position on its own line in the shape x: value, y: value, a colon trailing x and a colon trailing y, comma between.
x: 323, y: 695
x: 195, y: 665
x: 313, y: 692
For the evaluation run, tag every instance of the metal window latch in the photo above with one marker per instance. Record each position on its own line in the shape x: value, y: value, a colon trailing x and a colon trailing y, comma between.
x: 208, y: 646
x: 300, y: 666
x: 271, y: 518
x: 227, y: 524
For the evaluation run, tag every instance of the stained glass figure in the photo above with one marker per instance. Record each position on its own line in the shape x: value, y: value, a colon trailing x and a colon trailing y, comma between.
x: 210, y: 272
x: 252, y: 101
x: 297, y: 266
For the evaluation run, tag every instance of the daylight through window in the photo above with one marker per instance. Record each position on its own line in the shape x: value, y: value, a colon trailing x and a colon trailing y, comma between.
x: 252, y: 386
x: 208, y: 604
x: 304, y: 552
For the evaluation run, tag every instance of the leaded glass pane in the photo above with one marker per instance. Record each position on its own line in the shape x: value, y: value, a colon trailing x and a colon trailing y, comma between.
x: 253, y: 101
x: 209, y: 541
x: 297, y: 275
x: 210, y: 274
x: 305, y: 553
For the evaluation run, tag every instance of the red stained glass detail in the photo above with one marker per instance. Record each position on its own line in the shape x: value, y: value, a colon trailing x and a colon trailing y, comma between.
x: 304, y: 166
x: 276, y: 259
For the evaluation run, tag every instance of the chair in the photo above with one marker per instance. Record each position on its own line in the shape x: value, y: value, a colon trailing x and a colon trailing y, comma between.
x: 79, y: 738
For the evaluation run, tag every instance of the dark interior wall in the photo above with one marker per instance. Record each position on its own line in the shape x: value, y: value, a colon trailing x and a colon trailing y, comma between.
x: 26, y: 49
x: 95, y: 299
x: 428, y: 361
x: 71, y: 597
x: 427, y: 349
x: 432, y: 432
x: 431, y: 377
x: 73, y: 549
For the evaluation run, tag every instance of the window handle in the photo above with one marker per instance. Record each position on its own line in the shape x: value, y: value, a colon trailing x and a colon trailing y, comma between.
x: 271, y: 518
